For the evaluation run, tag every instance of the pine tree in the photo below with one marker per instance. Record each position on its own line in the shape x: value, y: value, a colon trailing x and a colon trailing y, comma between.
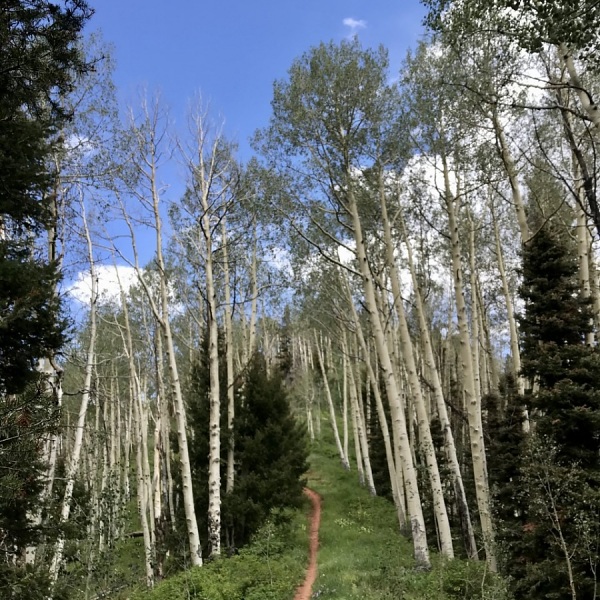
x: 271, y: 450
x: 39, y: 63
x: 557, y: 553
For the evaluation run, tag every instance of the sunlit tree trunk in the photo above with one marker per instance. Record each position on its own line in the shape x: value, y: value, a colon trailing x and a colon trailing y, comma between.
x: 472, y: 398
x: 512, y: 174
x: 230, y: 477
x: 74, y: 459
x: 440, y: 403
x: 333, y: 418
x: 408, y: 357
x: 149, y: 139
x: 414, y: 507
x: 515, y: 351
x: 361, y: 429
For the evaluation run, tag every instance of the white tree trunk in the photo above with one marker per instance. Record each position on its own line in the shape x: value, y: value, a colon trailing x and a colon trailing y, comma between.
x: 142, y: 490
x: 393, y: 463
x: 336, y: 435
x: 73, y: 464
x: 230, y: 480
x: 515, y: 351
x: 513, y: 178
x: 472, y: 398
x: 590, y: 107
x: 408, y: 356
x: 440, y: 403
x: 415, y: 511
x: 214, y: 455
x: 361, y: 429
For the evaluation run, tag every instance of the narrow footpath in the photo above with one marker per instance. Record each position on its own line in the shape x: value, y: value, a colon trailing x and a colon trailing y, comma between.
x: 305, y: 590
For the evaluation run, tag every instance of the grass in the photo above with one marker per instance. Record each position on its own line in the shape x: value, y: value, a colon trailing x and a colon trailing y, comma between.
x: 270, y: 568
x: 363, y: 556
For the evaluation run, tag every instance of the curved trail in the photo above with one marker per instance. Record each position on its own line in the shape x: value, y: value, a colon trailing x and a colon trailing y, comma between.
x: 305, y: 590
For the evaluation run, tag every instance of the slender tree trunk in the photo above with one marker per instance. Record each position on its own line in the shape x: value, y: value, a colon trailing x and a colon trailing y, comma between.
x: 345, y: 405
x: 408, y: 356
x: 214, y: 457
x: 393, y: 463
x: 583, y: 246
x: 440, y: 403
x: 230, y: 478
x: 472, y: 398
x: 336, y: 435
x: 415, y: 511
x: 475, y: 308
x: 360, y: 424
x: 73, y: 464
x: 513, y: 178
x: 512, y: 322
x: 588, y: 105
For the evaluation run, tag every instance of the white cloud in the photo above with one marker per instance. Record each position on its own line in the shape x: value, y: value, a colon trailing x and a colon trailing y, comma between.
x: 354, y: 24
x: 279, y: 258
x: 108, y: 284
x: 346, y: 253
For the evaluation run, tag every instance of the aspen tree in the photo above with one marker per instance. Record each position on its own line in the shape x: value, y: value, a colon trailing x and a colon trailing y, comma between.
x: 142, y: 491
x: 414, y: 507
x: 230, y: 477
x: 332, y: 415
x: 409, y: 363
x: 336, y: 98
x: 440, y: 403
x: 360, y: 422
x: 149, y: 138
x: 74, y: 459
x: 140, y: 437
x: 393, y: 460
x: 472, y: 397
x: 203, y: 177
x: 209, y: 197
x: 475, y: 308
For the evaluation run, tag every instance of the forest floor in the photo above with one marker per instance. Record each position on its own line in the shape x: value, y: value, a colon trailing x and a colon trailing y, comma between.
x: 362, y: 555
x: 304, y: 592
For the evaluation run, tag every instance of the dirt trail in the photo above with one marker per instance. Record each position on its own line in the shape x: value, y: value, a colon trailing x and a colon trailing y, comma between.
x: 305, y: 590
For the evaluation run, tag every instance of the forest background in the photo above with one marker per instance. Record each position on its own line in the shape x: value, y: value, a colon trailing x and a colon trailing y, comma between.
x: 406, y: 257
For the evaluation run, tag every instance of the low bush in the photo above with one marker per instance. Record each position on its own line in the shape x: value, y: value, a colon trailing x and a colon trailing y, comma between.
x: 270, y: 568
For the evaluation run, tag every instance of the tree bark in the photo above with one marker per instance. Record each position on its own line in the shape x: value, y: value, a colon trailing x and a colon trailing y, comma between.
x: 472, y: 398
x: 415, y: 511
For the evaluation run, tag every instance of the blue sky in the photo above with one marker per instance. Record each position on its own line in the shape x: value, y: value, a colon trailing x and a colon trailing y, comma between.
x: 232, y: 50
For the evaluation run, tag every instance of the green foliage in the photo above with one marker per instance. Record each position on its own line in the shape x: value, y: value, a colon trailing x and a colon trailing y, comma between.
x: 270, y: 568
x: 27, y: 583
x: 532, y: 22
x: 30, y: 327
x: 19, y: 463
x: 270, y: 451
x: 555, y: 354
x: 39, y: 62
x: 546, y: 494
x: 363, y: 555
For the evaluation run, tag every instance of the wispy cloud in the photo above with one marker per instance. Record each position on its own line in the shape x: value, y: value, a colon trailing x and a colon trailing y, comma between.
x: 354, y: 24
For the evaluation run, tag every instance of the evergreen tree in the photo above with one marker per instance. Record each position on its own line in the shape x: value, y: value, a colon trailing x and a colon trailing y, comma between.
x: 39, y: 63
x: 557, y: 483
x: 270, y: 450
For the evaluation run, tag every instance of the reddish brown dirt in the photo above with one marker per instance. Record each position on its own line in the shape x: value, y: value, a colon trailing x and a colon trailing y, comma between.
x: 305, y: 590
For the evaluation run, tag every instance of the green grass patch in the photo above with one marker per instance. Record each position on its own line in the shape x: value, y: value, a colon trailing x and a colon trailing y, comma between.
x: 363, y: 555
x: 270, y: 568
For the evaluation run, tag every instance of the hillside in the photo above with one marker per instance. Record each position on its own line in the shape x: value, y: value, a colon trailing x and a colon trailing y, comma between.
x: 362, y: 555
